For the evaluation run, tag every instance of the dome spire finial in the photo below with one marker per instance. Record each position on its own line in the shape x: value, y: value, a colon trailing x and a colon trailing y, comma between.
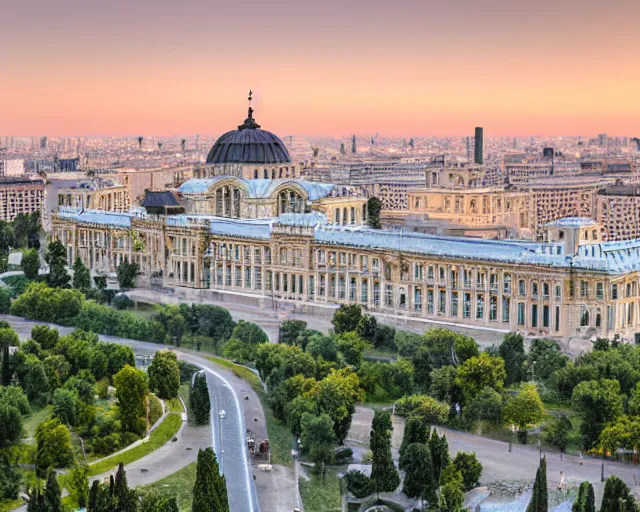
x: 249, y: 122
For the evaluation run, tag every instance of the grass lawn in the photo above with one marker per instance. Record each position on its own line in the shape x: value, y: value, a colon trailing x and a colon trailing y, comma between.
x: 7, y: 505
x: 179, y: 484
x: 280, y: 437
x: 155, y: 409
x: 175, y: 405
x: 161, y: 435
x: 319, y: 496
x: 37, y: 416
x: 184, y: 392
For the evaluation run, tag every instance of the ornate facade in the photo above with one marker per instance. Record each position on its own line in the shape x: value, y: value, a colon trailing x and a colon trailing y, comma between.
x: 307, y: 243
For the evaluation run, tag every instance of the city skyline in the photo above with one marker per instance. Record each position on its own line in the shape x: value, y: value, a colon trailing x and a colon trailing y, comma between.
x: 400, y: 70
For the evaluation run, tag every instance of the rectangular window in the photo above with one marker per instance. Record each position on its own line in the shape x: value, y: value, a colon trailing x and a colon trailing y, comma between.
x: 479, y: 306
x: 505, y: 309
x: 430, y: 301
x: 522, y: 288
x: 610, y: 317
x: 352, y: 289
x: 466, y: 306
x: 545, y: 316
x: 388, y: 295
x: 257, y: 256
x: 584, y: 289
x: 466, y: 275
x: 558, y: 293
x: 247, y: 277
x: 614, y: 291
x: 442, y: 302
x: 534, y: 315
x: 312, y: 287
x: 480, y: 280
x: 557, y: 318
x: 430, y: 272
x: 599, y: 291
x: 364, y: 291
x: 521, y: 313
x: 267, y: 255
x: 417, y: 300
x: 493, y: 282
x: 323, y: 285
x: 507, y: 283
x: 584, y: 316
x: 454, y: 304
x: 493, y: 308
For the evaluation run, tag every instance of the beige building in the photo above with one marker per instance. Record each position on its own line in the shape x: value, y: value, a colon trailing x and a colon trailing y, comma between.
x: 20, y: 195
x: 306, y: 243
x: 95, y: 194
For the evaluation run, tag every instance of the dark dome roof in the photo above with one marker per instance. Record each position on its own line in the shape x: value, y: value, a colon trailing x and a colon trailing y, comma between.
x: 249, y: 145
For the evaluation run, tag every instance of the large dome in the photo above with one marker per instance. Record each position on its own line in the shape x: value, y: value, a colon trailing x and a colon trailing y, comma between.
x: 249, y: 145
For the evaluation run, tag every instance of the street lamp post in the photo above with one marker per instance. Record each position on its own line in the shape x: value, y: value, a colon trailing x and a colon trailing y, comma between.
x: 221, y: 415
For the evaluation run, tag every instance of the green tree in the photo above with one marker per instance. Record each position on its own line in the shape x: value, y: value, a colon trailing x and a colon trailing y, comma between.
x: 52, y: 493
x: 451, y: 496
x: 209, y: 490
x: 10, y: 424
x: 444, y: 386
x: 416, y: 431
x: 53, y: 449
x: 164, y: 374
x: 322, y: 346
x: 586, y: 500
x: 418, y: 480
x: 46, y: 336
x: 634, y: 401
x: 250, y: 333
x: 79, y: 484
x: 374, y: 205
x: 486, y: 406
x: 35, y: 383
x: 318, y: 439
x: 131, y: 392
x: 56, y: 258
x: 337, y: 395
x: 511, y: 350
x: 5, y: 300
x: 617, y: 497
x: 384, y: 475
x: 351, y: 346
x: 26, y: 228
x: 439, y: 448
x: 10, y: 480
x: 199, y: 399
x: 367, y: 327
x: 346, y: 318
x: 479, y: 372
x: 158, y: 502
x: 557, y: 431
x: 81, y: 276
x: 545, y: 358
x: 525, y: 409
x: 290, y: 330
x: 30, y: 263
x: 470, y: 469
x: 65, y: 406
x: 127, y: 273
x: 126, y: 500
x: 16, y: 397
x: 539, y: 498
x: 599, y: 402
x: 5, y: 371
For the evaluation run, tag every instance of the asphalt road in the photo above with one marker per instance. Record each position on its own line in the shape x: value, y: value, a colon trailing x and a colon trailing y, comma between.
x: 169, y: 459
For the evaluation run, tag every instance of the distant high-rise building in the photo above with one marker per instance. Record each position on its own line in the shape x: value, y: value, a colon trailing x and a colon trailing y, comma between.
x: 602, y: 139
x: 43, y: 143
x: 354, y: 150
x: 547, y: 152
x: 479, y: 146
x: 468, y: 148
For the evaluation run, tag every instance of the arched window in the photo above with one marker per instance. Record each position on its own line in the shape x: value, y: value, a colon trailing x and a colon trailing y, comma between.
x: 561, y: 235
x: 584, y: 316
x: 336, y: 216
x: 266, y: 174
x: 290, y: 201
x: 598, y: 318
x: 595, y: 234
x: 255, y: 174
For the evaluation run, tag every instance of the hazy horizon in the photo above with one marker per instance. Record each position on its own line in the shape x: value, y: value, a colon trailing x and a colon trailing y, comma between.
x: 327, y: 69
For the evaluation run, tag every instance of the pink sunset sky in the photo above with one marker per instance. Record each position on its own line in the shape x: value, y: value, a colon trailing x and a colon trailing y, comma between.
x: 401, y: 68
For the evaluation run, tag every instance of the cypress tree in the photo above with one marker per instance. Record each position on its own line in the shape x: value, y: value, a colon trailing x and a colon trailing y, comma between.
x: 616, y: 497
x: 439, y: 448
x: 384, y: 475
x: 209, y: 490
x: 590, y: 502
x: 52, y: 496
x: 418, y: 480
x: 540, y: 499
x: 6, y: 370
x: 586, y: 501
x: 126, y: 500
x: 200, y: 401
x: 93, y: 496
x: 415, y: 431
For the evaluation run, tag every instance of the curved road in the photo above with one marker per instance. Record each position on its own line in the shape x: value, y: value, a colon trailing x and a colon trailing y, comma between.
x: 232, y: 442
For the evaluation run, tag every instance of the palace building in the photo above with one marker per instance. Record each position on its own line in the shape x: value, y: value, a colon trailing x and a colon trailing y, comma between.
x: 242, y: 226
